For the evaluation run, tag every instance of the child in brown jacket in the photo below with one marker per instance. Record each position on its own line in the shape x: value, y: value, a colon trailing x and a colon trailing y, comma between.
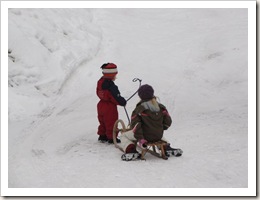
x: 148, y: 122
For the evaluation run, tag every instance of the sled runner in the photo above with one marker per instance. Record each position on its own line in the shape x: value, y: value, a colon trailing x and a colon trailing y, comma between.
x: 155, y: 148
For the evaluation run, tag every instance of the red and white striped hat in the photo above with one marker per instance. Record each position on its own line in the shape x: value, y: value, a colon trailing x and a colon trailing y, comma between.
x: 109, y: 70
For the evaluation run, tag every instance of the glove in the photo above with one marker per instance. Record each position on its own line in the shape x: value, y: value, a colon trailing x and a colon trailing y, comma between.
x: 142, y: 143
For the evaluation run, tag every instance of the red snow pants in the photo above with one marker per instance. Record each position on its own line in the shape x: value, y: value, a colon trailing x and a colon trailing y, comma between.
x: 107, y: 116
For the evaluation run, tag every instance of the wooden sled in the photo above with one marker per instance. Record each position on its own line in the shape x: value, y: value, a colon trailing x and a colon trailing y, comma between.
x: 155, y: 148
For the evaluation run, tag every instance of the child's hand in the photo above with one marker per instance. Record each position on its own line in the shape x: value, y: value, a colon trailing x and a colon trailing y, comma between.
x: 142, y: 143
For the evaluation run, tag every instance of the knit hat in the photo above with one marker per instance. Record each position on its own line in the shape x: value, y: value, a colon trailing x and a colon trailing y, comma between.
x: 146, y: 92
x: 109, y: 70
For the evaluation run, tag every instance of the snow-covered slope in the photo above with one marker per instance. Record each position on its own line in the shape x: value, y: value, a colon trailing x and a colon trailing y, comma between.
x: 196, y: 60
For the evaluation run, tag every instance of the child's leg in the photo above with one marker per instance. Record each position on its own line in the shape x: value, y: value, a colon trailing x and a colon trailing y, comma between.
x: 127, y: 139
x: 110, y: 118
x: 101, y: 127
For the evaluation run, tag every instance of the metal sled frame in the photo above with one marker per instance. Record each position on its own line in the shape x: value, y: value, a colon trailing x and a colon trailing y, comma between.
x: 155, y: 148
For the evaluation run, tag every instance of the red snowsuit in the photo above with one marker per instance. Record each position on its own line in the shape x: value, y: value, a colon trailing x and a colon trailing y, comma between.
x: 110, y: 97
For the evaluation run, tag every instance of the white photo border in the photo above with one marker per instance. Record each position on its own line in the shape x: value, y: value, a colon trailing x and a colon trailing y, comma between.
x: 250, y: 191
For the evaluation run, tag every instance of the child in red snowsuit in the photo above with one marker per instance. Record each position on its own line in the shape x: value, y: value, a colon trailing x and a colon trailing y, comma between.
x: 110, y: 97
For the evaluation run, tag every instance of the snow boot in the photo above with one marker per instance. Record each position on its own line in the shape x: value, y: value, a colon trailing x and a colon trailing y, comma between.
x: 102, y: 138
x: 131, y: 156
x: 110, y: 141
x: 172, y: 151
x: 131, y: 153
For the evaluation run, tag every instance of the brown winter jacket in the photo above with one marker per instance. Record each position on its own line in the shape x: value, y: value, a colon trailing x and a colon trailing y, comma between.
x: 149, y: 125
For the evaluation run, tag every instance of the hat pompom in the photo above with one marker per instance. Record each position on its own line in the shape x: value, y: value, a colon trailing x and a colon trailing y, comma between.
x: 146, y: 92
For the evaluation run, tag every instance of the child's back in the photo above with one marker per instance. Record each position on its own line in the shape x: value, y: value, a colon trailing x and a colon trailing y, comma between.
x: 110, y: 97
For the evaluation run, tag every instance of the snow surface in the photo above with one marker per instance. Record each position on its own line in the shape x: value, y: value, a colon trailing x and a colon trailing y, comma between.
x: 196, y: 60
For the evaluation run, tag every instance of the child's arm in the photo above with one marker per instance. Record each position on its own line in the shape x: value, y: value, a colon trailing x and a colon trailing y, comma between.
x: 116, y: 94
x: 167, y: 120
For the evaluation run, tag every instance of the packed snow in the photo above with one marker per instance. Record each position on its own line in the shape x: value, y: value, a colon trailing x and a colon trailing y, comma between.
x: 195, y: 59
